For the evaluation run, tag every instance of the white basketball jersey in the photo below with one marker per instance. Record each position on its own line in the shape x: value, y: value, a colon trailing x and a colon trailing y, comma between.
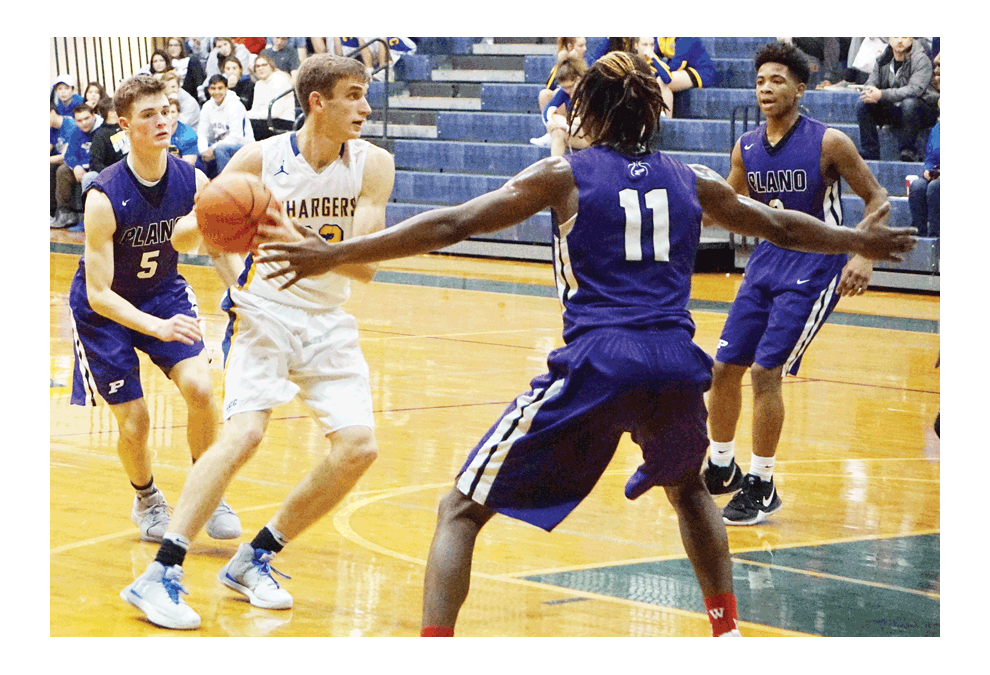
x: 324, y: 202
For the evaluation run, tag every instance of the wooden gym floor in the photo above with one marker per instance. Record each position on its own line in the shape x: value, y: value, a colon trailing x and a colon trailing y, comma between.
x: 450, y: 341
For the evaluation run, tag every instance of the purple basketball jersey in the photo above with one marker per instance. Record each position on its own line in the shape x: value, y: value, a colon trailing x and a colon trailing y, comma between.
x: 626, y: 259
x: 144, y: 259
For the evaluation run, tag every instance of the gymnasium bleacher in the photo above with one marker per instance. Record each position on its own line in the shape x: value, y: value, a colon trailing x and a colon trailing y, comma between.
x: 461, y: 112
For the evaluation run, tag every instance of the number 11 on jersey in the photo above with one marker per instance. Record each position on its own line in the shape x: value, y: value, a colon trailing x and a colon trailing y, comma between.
x: 655, y: 201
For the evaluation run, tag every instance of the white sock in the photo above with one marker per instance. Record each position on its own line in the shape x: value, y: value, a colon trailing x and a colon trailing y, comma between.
x: 722, y: 454
x: 762, y: 467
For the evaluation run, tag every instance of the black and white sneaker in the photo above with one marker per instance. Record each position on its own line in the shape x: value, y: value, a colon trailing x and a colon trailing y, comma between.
x: 721, y: 480
x: 753, y: 503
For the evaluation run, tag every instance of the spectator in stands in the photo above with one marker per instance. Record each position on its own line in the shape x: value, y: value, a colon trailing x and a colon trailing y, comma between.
x: 832, y: 53
x: 187, y: 67
x: 69, y: 175
x: 347, y: 46
x: 61, y: 129
x: 184, y: 142
x: 686, y: 65
x: 200, y: 47
x: 287, y: 53
x: 271, y: 83
x: 95, y: 96
x: 397, y: 48
x: 923, y: 197
x: 900, y: 94
x: 223, y: 127
x: 161, y: 62
x: 187, y: 103
x: 566, y: 46
x: 222, y: 48
x: 238, y: 81
x: 570, y: 69
x: 110, y: 144
x: 863, y: 54
x: 64, y: 95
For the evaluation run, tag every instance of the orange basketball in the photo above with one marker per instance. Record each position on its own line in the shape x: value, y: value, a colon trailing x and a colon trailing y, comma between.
x: 229, y: 208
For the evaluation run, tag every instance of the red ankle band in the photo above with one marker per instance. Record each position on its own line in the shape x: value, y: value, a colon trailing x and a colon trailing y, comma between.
x: 722, y: 613
x: 436, y: 631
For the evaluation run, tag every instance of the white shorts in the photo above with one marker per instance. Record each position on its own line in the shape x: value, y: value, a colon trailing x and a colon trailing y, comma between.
x: 273, y: 352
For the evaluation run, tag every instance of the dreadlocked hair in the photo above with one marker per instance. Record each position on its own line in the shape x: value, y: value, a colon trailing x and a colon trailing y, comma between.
x: 618, y: 102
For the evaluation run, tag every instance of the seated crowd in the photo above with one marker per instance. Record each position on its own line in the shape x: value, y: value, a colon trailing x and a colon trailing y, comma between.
x: 224, y: 92
x: 227, y: 91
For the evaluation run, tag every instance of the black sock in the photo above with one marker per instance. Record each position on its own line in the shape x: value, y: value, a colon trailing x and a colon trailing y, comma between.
x: 266, y: 540
x: 170, y: 554
x: 146, y: 490
x: 938, y: 418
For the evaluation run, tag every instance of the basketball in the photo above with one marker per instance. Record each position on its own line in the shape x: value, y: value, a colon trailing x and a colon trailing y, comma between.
x: 229, y: 208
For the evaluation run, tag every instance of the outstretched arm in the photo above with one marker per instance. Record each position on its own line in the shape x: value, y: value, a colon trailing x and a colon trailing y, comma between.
x: 547, y: 183
x: 799, y: 231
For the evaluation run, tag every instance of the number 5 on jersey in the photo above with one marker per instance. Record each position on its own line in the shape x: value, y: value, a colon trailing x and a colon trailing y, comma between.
x: 655, y: 202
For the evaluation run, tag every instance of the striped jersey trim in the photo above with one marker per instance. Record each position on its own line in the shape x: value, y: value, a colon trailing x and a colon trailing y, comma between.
x: 88, y: 382
x: 567, y: 284
x: 477, y: 480
x: 815, y: 320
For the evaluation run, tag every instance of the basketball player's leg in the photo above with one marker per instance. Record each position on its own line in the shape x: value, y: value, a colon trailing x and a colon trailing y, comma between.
x: 707, y: 547
x: 352, y: 451
x: 725, y: 401
x: 133, y: 426
x: 192, y: 377
x: 448, y: 566
x: 211, y: 474
x: 676, y: 443
x: 156, y: 592
x: 768, y: 409
x: 738, y: 342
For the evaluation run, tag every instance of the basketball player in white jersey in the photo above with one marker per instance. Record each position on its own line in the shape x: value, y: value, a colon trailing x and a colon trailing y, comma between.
x: 283, y: 343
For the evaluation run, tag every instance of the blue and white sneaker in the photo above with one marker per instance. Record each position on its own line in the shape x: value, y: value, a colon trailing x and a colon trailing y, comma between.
x: 249, y: 573
x: 156, y: 593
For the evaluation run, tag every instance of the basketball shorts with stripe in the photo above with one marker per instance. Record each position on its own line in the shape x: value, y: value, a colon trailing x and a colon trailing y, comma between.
x: 106, y: 363
x: 272, y: 352
x: 781, y: 305
x: 552, y: 444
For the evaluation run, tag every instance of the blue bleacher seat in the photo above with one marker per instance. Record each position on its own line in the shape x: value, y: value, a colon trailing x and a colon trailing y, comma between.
x: 476, y: 151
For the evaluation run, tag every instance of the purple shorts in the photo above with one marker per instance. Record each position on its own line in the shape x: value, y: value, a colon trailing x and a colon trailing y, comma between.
x: 552, y: 444
x: 784, y: 299
x: 106, y: 362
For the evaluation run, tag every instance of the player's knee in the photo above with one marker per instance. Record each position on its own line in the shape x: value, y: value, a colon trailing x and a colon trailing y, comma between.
x: 727, y: 374
x: 134, y: 424
x: 199, y: 395
x: 455, y: 507
x: 357, y: 454
x: 765, y: 380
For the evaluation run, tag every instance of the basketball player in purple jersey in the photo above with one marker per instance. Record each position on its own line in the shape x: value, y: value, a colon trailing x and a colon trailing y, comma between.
x: 626, y: 227
x: 127, y: 294
x: 789, y: 162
